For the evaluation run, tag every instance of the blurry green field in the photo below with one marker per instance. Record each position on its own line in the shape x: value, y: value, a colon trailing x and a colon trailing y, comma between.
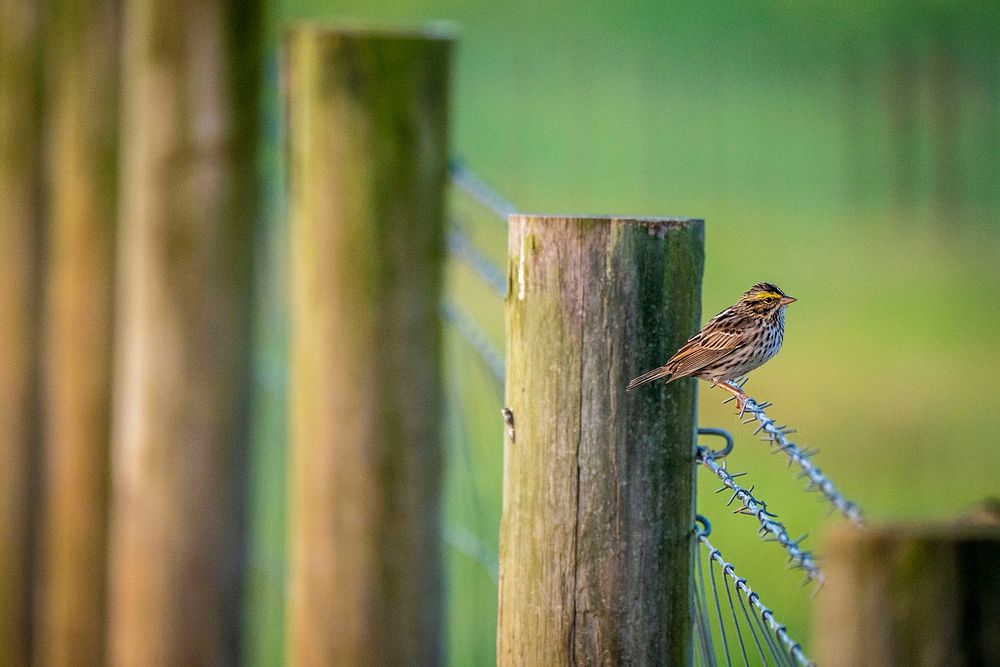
x: 769, y: 120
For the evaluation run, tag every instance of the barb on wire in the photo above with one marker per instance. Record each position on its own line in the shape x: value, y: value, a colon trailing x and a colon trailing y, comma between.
x: 476, y: 338
x: 777, y: 436
x: 769, y: 525
x: 478, y: 190
x: 702, y: 529
x: 462, y: 248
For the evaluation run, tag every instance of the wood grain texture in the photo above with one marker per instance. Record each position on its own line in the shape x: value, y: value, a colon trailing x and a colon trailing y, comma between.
x: 81, y: 148
x: 20, y: 234
x: 598, y: 483
x: 367, y: 163
x: 911, y: 595
x: 190, y: 113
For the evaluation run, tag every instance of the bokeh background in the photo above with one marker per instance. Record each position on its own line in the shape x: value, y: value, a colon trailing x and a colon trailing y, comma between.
x: 847, y: 151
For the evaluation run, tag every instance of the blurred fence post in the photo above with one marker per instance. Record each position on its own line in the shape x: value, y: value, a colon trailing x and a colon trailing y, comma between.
x: 911, y: 595
x: 598, y: 497
x: 20, y: 231
x: 82, y: 148
x: 191, y: 73
x: 367, y: 138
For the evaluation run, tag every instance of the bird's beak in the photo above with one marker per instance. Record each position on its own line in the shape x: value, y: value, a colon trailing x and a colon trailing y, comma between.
x: 785, y: 300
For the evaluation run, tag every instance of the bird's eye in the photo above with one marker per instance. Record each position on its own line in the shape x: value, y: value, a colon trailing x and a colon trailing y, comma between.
x: 769, y: 299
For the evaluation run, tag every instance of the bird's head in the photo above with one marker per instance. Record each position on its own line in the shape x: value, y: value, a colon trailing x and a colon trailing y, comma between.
x: 764, y: 300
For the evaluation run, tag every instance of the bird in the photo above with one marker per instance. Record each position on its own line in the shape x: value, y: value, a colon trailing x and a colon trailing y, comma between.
x: 736, y: 341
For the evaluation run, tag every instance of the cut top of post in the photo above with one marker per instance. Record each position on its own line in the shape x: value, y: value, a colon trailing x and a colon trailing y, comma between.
x: 443, y: 31
x: 652, y: 222
x: 657, y: 227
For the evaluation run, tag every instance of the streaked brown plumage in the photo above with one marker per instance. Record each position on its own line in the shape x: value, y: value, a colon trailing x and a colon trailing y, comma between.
x: 731, y: 344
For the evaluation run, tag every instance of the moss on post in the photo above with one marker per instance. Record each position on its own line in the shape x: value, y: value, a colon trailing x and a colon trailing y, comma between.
x: 367, y: 137
x: 190, y: 111
x: 20, y: 232
x: 82, y: 147
x: 598, y: 484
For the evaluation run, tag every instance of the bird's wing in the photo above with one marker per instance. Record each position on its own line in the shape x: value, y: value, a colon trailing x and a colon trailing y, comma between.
x: 704, y: 350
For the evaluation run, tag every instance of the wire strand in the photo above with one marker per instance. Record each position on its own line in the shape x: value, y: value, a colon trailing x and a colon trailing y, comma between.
x: 736, y: 622
x: 718, y: 608
x: 777, y: 436
x: 476, y: 188
x: 793, y: 648
x: 464, y: 250
x: 756, y: 508
x: 476, y: 338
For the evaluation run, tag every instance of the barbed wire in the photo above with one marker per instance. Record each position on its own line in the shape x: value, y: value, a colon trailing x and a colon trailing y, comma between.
x: 463, y: 249
x: 468, y: 543
x: 479, y: 190
x: 702, y: 529
x: 777, y: 436
x: 476, y: 338
x: 752, y: 506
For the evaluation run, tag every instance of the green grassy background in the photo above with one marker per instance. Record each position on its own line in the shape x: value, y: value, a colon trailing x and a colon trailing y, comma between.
x: 844, y: 151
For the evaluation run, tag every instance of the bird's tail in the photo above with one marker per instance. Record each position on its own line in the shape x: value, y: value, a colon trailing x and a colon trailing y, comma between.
x: 649, y: 376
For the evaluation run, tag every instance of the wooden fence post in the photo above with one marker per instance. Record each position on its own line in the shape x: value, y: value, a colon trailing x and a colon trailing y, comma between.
x: 598, y: 497
x: 81, y: 147
x: 20, y: 230
x: 367, y: 136
x: 911, y: 595
x: 191, y: 73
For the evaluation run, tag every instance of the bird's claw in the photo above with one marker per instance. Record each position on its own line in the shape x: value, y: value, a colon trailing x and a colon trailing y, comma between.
x: 738, y: 395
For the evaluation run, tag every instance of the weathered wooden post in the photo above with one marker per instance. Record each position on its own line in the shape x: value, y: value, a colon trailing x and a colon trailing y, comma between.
x: 367, y: 137
x: 81, y: 148
x: 911, y: 595
x: 20, y: 231
x: 190, y: 113
x: 598, y: 496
